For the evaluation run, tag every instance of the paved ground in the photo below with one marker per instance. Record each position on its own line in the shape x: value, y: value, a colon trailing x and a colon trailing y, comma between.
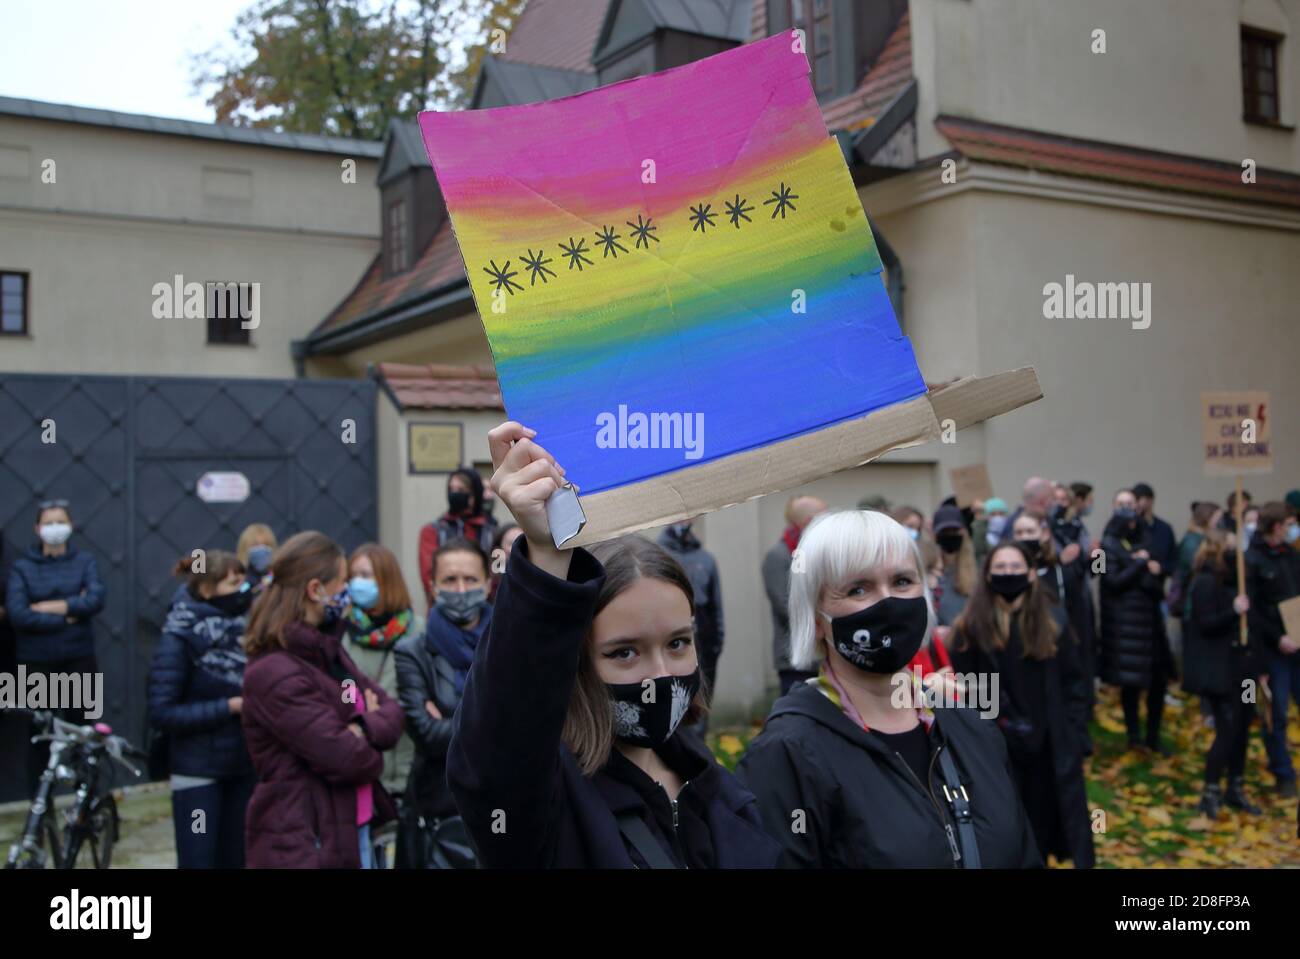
x: 145, y: 841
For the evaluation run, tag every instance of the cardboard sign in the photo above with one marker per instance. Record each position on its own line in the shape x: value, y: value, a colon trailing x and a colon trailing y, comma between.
x: 681, y: 290
x: 971, y: 483
x: 1237, y: 431
x: 223, y: 487
x: 1290, y: 610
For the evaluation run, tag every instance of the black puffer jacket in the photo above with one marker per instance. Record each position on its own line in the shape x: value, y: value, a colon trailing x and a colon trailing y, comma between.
x: 1132, y: 632
x: 198, y: 666
x: 1214, y: 662
x: 862, y: 809
x: 1272, y: 576
x: 423, y: 675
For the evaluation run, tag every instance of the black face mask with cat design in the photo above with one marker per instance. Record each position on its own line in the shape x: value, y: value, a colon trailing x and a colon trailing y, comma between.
x: 885, y: 636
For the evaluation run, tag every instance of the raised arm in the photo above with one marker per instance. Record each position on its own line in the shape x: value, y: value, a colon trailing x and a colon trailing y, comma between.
x: 503, y: 766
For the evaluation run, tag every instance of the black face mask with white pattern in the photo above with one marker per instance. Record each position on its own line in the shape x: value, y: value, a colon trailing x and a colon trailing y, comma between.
x: 648, y: 713
x: 882, y: 637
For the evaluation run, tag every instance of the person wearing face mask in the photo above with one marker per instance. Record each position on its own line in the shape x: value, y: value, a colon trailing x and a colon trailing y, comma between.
x: 465, y: 518
x: 316, y: 725
x: 255, y: 547
x: 379, y: 617
x: 1272, y: 577
x: 852, y: 769
x: 567, y: 749
x: 1012, y: 628
x: 1066, y: 588
x: 1134, y: 654
x: 958, y: 580
x: 53, y: 593
x: 195, y: 697
x: 702, y: 569
x: 431, y: 674
x: 1205, y: 517
x: 912, y: 519
x: 1216, y: 667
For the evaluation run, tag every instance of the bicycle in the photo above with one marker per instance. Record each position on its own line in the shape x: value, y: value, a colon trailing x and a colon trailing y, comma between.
x: 77, y: 755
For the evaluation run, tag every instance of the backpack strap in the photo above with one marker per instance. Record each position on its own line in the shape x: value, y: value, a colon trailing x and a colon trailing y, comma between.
x: 636, y: 832
x: 957, y: 798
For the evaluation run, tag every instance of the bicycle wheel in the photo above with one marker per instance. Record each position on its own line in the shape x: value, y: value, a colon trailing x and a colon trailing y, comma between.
x: 97, y: 827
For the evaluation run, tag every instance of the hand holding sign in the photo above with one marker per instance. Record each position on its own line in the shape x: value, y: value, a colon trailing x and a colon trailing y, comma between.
x: 525, y: 476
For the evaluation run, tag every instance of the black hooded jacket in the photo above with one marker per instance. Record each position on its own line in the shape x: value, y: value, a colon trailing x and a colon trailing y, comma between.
x: 1133, y: 646
x: 838, y: 797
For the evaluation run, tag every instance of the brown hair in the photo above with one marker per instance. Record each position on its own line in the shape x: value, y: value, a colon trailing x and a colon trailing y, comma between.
x: 990, y: 627
x: 1202, y: 513
x: 217, y: 564
x: 1270, y: 515
x: 253, y: 535
x: 393, y: 595
x: 303, y: 557
x: 1209, y: 555
x: 459, y: 545
x: 1046, y: 551
x: 589, y: 723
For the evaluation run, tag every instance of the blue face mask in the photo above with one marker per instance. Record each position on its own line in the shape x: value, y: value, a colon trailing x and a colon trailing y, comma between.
x: 1292, y: 533
x: 259, y: 557
x: 914, y: 533
x: 1086, y: 511
x: 1125, y: 513
x: 364, y: 592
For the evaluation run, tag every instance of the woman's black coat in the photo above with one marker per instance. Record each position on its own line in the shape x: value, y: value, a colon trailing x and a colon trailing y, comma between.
x: 1214, y: 664
x: 1067, y: 727
x: 425, y: 675
x: 1133, y: 643
x: 838, y: 797
x: 519, y: 789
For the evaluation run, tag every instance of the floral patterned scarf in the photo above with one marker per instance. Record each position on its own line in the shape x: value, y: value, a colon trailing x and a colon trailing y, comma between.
x: 377, y: 634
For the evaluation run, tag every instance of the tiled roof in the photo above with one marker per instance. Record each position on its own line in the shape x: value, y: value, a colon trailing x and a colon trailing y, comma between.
x: 439, y: 265
x: 993, y: 143
x: 252, y: 136
x: 887, y: 78
x: 533, y: 83
x: 433, y: 386
x: 556, y: 33
x: 731, y: 19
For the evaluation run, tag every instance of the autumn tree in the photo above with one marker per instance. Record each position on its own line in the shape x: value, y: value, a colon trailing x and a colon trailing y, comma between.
x: 347, y: 67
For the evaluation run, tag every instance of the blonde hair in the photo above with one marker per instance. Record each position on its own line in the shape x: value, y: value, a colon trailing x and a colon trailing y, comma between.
x: 833, y: 548
x: 254, y: 534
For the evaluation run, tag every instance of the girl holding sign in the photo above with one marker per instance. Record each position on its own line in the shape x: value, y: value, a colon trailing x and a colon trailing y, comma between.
x: 567, y: 749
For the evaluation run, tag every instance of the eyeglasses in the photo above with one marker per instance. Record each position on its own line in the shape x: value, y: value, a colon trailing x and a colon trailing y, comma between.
x: 53, y: 504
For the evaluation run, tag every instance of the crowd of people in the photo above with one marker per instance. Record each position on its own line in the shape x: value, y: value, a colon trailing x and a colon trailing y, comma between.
x: 549, y: 709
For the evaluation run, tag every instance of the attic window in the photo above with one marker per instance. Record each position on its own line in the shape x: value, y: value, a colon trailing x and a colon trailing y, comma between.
x: 1259, y: 52
x: 395, y: 235
x: 813, y: 17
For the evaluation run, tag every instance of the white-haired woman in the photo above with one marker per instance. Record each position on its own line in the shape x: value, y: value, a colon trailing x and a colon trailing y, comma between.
x: 852, y: 770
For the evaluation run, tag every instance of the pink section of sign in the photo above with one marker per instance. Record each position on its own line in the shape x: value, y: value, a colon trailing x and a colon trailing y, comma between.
x: 588, y: 153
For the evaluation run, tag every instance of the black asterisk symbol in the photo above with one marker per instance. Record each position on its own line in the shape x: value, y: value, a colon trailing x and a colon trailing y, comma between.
x: 737, y: 210
x: 782, y: 200
x: 643, y: 231
x: 701, y: 218
x: 503, y: 276
x: 609, y: 240
x: 575, y: 252
x: 536, y: 266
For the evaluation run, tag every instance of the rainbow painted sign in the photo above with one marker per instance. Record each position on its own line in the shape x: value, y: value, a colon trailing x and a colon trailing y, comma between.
x: 674, y: 268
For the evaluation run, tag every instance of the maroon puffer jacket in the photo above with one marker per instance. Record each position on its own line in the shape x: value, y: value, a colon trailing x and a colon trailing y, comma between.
x: 303, y: 813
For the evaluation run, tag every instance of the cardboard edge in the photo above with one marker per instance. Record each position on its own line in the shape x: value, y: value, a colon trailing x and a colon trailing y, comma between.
x: 974, y: 399
x: 744, y: 476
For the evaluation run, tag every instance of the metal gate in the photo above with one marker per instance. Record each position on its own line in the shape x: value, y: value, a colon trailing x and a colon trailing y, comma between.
x: 128, y: 451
